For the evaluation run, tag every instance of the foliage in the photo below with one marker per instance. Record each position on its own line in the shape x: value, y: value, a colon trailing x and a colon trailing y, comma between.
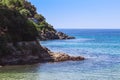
x: 21, y: 16
x: 28, y: 10
x: 19, y: 21
x: 18, y: 26
x: 19, y: 4
x: 39, y: 17
x: 25, y: 12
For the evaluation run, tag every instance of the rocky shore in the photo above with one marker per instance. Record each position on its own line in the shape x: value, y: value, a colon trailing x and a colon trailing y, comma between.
x: 32, y: 52
x: 58, y: 57
x: 51, y: 35
x: 20, y: 28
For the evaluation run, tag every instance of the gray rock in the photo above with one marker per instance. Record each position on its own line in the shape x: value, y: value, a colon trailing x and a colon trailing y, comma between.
x: 58, y: 57
x: 32, y: 52
x: 51, y: 35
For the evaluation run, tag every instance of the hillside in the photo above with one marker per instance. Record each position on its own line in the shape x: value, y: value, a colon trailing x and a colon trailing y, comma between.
x: 28, y: 11
x: 20, y: 28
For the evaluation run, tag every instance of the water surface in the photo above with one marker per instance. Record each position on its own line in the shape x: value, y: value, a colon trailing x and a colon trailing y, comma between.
x: 100, y: 47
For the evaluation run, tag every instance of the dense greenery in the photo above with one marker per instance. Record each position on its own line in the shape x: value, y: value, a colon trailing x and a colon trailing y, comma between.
x: 18, y: 27
x: 20, y: 5
x: 28, y: 10
x: 20, y: 16
x: 19, y: 21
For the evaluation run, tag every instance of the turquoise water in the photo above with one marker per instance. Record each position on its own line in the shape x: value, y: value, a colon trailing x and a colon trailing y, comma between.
x: 100, y: 47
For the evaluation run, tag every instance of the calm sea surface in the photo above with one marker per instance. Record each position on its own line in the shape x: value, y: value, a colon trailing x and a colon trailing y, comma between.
x: 100, y: 47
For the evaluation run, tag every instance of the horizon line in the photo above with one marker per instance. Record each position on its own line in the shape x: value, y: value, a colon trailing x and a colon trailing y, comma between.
x: 86, y: 28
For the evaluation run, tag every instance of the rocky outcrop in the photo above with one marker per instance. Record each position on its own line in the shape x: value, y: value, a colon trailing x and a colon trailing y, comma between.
x: 62, y: 35
x: 24, y: 53
x: 48, y: 35
x: 19, y: 32
x: 51, y: 35
x: 32, y: 52
x: 58, y: 57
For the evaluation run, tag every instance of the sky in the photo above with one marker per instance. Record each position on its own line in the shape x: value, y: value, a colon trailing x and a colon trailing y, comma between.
x: 85, y: 14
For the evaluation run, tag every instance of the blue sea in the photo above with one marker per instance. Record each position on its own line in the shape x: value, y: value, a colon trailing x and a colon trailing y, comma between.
x: 100, y: 47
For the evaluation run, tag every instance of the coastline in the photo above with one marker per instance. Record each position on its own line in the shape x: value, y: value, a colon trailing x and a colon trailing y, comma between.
x: 31, y: 53
x: 19, y: 34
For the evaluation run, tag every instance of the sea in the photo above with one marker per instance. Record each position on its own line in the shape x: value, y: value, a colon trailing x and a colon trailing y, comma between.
x: 100, y: 47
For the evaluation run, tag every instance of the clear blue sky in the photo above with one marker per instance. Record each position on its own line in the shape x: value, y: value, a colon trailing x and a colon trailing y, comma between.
x: 80, y: 13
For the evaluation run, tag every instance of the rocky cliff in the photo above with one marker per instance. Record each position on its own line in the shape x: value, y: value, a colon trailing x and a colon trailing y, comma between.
x: 30, y: 53
x: 20, y: 29
x: 52, y: 35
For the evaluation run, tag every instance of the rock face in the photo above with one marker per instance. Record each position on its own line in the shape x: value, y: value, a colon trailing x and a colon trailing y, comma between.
x: 32, y: 52
x: 61, y: 35
x: 51, y: 35
x: 24, y: 53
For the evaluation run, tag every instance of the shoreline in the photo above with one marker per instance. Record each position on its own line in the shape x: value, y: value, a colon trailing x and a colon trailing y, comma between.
x: 32, y: 52
x: 56, y: 57
x: 62, y: 58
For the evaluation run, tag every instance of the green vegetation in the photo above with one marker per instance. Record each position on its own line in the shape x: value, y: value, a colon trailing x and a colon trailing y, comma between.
x: 21, y: 16
x: 18, y: 27
x: 19, y: 21
x: 28, y: 10
x: 19, y: 5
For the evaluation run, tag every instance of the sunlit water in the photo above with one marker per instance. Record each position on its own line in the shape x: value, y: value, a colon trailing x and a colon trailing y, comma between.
x: 100, y: 47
